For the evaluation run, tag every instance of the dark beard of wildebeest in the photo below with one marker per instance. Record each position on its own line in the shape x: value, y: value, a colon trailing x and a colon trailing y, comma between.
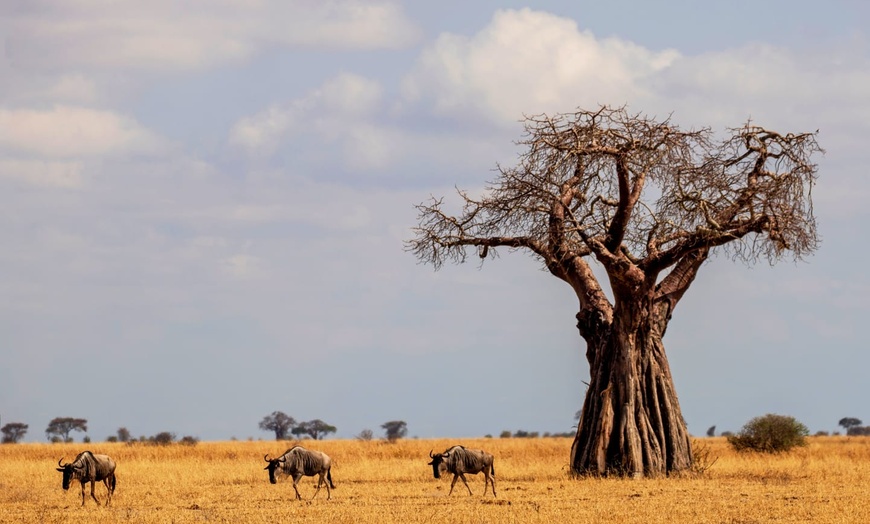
x: 459, y: 461
x: 297, y: 462
x: 88, y: 467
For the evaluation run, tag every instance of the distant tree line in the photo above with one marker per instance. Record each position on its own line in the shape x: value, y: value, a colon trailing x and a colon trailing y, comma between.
x: 853, y: 427
x: 283, y: 425
x: 164, y: 438
x: 521, y: 433
x: 60, y: 429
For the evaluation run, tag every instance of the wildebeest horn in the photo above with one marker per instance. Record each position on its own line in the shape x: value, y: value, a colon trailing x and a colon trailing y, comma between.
x: 431, y: 456
x: 59, y: 462
x: 266, y: 457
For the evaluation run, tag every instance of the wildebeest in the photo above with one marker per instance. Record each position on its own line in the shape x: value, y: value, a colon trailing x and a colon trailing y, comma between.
x: 88, y: 467
x: 298, y: 461
x: 459, y: 461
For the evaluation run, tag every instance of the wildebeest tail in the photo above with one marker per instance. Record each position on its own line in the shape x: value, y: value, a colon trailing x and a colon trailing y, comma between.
x: 329, y: 478
x: 114, y: 482
x: 492, y: 469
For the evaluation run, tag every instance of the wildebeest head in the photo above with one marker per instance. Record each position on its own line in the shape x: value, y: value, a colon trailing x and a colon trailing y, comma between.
x: 438, y: 464
x: 274, y: 464
x: 69, y: 472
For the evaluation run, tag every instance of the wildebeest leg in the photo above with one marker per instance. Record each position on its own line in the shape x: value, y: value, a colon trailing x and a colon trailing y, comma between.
x: 108, y: 491
x: 319, y: 482
x: 462, y: 475
x: 93, y: 494
x: 295, y: 481
x: 492, y: 483
x: 83, y: 492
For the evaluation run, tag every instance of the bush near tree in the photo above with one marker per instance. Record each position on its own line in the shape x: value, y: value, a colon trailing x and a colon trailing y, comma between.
x: 770, y: 434
x: 164, y: 438
x: 188, y: 440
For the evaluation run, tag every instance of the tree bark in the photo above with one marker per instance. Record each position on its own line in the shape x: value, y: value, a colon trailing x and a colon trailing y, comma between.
x: 631, y: 423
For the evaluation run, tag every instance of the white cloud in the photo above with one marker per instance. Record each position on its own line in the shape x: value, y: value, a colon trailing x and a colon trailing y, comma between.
x: 530, y: 62
x: 73, y: 89
x: 263, y: 131
x: 242, y: 266
x: 73, y: 132
x: 334, y: 111
x: 60, y: 174
x: 351, y: 95
x: 167, y: 34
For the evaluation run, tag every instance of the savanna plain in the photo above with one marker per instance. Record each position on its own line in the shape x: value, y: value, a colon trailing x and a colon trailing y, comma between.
x: 828, y: 481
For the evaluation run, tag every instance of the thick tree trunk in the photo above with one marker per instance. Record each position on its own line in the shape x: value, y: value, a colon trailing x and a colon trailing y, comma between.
x: 631, y: 423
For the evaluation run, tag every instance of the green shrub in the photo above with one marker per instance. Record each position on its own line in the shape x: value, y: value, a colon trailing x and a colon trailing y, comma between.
x: 770, y: 434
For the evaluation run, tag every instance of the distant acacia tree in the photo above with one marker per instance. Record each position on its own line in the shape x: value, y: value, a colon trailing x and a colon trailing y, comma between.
x: 13, y: 432
x: 365, y: 435
x: 711, y: 431
x: 849, y: 422
x: 395, y: 429
x: 124, y: 434
x: 61, y: 427
x: 315, y: 429
x: 279, y: 422
x: 648, y: 203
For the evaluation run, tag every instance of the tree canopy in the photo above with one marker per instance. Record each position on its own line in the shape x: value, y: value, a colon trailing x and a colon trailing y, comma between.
x: 633, y: 193
x: 61, y: 427
x: 849, y: 422
x: 315, y: 429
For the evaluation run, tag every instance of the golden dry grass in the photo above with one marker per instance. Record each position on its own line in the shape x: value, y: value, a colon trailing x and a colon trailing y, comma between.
x: 376, y: 482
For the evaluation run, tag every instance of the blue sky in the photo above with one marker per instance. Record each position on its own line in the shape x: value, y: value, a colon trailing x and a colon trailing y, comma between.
x: 203, y: 208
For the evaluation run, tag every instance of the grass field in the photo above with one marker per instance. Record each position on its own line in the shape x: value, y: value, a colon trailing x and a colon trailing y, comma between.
x: 376, y: 482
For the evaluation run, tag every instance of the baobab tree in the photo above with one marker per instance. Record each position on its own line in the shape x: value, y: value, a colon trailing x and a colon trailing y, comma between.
x: 649, y: 203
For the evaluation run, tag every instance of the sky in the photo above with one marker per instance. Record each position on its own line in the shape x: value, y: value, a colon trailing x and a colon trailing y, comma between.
x: 203, y: 207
